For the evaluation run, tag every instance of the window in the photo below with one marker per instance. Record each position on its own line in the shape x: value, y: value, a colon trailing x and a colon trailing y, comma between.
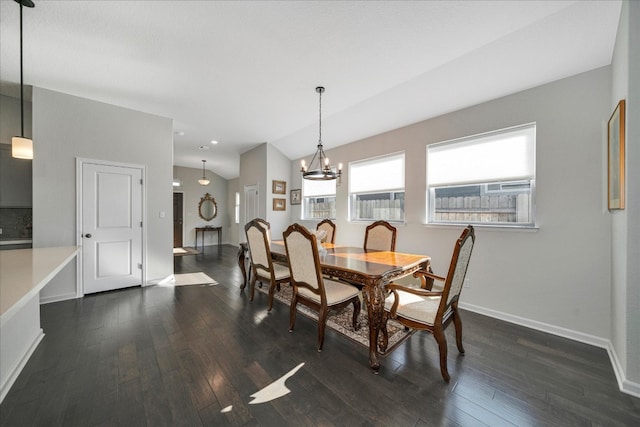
x: 318, y: 199
x: 376, y: 188
x: 483, y: 179
x: 237, y: 208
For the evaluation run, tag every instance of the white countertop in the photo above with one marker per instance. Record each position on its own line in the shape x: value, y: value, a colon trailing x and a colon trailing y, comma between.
x: 24, y: 272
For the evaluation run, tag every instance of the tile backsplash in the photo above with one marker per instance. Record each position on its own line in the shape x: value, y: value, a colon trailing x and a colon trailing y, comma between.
x: 15, y: 223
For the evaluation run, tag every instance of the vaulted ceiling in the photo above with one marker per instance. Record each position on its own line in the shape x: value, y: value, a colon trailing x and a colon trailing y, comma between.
x: 244, y: 72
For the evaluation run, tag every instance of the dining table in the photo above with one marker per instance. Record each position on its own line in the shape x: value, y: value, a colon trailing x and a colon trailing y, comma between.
x: 370, y: 269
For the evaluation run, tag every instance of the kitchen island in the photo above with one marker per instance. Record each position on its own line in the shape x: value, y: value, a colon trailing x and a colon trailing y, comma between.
x: 23, y: 273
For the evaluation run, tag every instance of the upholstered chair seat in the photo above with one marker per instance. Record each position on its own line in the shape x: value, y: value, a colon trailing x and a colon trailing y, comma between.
x: 280, y: 271
x: 337, y: 292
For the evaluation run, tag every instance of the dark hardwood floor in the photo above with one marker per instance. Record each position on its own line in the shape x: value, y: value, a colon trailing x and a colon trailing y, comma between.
x: 164, y: 356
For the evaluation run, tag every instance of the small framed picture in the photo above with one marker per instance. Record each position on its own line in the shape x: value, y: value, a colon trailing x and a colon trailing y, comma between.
x: 616, y: 160
x: 296, y: 197
x: 279, y: 204
x: 279, y: 187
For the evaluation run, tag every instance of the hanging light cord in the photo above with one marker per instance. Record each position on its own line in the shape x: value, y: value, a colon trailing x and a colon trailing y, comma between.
x: 320, y: 116
x: 21, y: 81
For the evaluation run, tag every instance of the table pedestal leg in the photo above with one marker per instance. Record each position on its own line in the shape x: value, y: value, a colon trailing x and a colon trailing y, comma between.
x: 374, y: 300
x: 242, y: 254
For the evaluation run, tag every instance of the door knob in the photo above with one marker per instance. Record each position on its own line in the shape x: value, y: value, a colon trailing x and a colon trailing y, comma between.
x: 88, y: 236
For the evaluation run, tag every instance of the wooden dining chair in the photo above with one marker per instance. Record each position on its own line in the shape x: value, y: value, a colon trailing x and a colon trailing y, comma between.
x: 310, y: 287
x: 262, y: 265
x: 432, y: 311
x: 380, y: 236
x: 265, y: 224
x: 330, y: 228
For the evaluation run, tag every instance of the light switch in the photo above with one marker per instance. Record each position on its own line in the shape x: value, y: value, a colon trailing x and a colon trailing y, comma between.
x: 162, y: 214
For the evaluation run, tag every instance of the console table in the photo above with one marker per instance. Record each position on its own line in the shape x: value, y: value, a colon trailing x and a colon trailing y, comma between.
x: 203, y: 230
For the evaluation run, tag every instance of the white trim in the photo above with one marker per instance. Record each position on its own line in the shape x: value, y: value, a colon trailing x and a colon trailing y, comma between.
x: 58, y: 298
x: 626, y: 386
x: 540, y: 326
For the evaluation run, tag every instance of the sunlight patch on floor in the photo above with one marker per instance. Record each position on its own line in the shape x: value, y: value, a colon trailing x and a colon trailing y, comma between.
x: 271, y: 392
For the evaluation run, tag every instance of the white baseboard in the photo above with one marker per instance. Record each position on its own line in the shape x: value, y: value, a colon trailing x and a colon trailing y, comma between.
x: 626, y: 386
x: 58, y: 298
x: 17, y: 368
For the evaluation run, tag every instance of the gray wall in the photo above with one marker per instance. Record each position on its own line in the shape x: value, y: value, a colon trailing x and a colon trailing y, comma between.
x: 554, y: 278
x: 261, y: 166
x: 10, y: 118
x: 253, y: 171
x: 625, y: 227
x: 67, y: 127
x: 279, y: 169
x: 193, y: 192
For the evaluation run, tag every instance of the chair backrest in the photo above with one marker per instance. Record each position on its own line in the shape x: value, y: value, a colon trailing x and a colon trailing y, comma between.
x: 304, y: 262
x: 458, y: 268
x: 380, y: 236
x: 258, y: 240
x: 330, y: 228
x: 265, y: 224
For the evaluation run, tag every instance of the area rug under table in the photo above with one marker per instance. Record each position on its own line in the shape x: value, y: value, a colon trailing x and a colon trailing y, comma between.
x: 340, y: 321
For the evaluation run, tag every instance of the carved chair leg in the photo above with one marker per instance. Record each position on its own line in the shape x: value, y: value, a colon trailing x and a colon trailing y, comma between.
x: 252, y: 287
x: 272, y: 288
x: 457, y: 322
x: 356, y: 313
x: 322, y: 322
x: 438, y: 334
x: 292, y: 312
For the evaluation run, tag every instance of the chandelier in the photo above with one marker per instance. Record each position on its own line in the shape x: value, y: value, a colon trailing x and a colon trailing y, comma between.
x: 203, y: 180
x: 323, y: 169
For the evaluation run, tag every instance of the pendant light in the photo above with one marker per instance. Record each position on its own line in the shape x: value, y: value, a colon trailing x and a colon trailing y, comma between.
x: 21, y: 147
x: 203, y: 180
x: 322, y: 170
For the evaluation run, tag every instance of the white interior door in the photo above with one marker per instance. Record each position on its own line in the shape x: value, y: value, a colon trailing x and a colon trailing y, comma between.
x: 251, y: 208
x: 111, y: 227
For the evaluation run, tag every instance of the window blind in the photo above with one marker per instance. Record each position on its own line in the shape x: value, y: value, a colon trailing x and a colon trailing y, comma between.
x: 505, y: 155
x: 379, y: 174
x: 311, y: 188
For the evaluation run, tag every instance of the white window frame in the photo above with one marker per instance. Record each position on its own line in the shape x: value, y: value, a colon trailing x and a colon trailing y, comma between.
x: 503, y: 186
x: 365, y: 182
x: 317, y: 192
x: 237, y: 208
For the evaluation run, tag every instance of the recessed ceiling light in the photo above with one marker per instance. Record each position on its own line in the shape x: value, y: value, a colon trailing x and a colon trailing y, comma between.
x: 214, y: 142
x: 203, y: 147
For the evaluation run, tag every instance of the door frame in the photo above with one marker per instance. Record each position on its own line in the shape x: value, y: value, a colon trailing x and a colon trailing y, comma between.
x: 183, y: 194
x: 80, y: 162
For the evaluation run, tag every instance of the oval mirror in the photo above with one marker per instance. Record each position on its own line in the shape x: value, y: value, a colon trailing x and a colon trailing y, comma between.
x: 207, y: 209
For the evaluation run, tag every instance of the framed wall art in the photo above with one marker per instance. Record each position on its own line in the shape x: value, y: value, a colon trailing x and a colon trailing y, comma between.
x: 279, y: 187
x: 616, y: 157
x: 296, y: 196
x: 279, y: 204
